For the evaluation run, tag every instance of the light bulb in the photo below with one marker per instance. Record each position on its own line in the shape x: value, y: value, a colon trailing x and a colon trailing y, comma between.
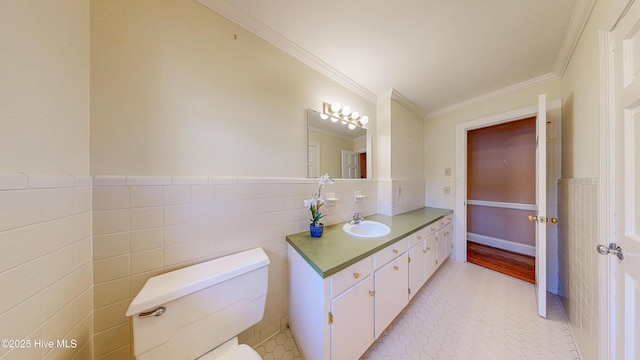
x: 355, y: 115
x: 346, y: 110
x: 344, y: 122
x: 334, y: 119
x: 352, y: 126
x: 335, y: 106
x: 364, y: 120
x: 324, y: 116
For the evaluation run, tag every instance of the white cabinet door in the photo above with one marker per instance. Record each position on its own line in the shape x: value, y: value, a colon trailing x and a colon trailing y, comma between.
x: 352, y: 327
x: 441, y: 246
x: 431, y: 255
x: 417, y: 268
x: 391, y: 288
x: 448, y: 239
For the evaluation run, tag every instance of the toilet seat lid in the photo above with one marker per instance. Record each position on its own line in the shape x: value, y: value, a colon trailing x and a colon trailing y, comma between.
x: 240, y: 352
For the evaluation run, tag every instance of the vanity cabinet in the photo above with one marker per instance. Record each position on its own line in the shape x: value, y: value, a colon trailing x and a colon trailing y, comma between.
x: 391, y: 284
x: 418, y: 255
x: 336, y: 313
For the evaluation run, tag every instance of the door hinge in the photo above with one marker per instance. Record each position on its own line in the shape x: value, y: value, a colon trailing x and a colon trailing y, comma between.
x: 409, y: 291
x: 408, y: 259
x: 330, y: 318
x: 436, y: 262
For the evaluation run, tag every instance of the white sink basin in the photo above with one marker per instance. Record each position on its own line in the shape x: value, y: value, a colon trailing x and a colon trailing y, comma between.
x: 367, y: 229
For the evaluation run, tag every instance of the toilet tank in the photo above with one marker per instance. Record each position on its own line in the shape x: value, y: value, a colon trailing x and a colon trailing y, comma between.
x: 205, y: 305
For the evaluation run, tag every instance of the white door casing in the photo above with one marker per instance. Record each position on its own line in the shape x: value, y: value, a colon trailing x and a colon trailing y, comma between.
x: 554, y: 123
x: 620, y: 59
x: 541, y: 202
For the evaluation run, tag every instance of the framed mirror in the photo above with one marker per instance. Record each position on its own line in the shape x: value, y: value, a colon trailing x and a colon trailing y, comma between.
x: 337, y: 149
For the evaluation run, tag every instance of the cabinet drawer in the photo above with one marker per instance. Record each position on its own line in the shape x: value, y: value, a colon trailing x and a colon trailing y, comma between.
x: 417, y: 237
x: 442, y: 222
x: 350, y: 276
x: 431, y: 228
x: 389, y: 253
x: 449, y: 218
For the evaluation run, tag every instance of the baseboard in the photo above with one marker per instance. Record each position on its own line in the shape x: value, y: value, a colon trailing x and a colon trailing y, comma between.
x: 502, y: 244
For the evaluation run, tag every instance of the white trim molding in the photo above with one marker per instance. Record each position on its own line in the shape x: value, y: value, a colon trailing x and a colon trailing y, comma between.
x: 253, y: 25
x: 502, y: 244
x: 503, y: 205
x: 581, y: 13
x: 393, y: 94
x: 543, y: 79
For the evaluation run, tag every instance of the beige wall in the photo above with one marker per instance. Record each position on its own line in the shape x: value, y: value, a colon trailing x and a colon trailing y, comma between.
x: 407, y: 143
x: 581, y: 108
x: 440, y: 131
x: 178, y: 90
x: 44, y: 82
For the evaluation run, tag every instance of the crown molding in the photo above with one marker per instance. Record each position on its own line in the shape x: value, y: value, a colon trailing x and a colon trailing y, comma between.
x: 253, y: 25
x: 579, y: 18
x: 393, y: 94
x: 496, y: 94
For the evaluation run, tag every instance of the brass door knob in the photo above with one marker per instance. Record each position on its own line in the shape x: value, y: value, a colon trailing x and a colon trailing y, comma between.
x: 356, y: 275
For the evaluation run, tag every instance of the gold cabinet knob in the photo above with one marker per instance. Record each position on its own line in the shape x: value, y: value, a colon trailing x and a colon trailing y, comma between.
x: 371, y: 293
x: 428, y: 248
x: 425, y: 250
x: 419, y: 237
x: 552, y: 220
x: 395, y: 251
x: 395, y: 267
x: 356, y: 275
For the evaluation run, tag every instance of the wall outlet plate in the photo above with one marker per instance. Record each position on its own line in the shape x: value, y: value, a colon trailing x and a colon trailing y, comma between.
x: 447, y: 190
x: 447, y: 172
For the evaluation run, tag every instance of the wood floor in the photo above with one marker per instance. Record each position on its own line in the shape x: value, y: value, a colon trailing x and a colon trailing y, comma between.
x: 519, y: 266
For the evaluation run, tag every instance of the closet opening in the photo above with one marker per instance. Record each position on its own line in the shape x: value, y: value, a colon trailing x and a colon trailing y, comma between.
x: 501, y: 194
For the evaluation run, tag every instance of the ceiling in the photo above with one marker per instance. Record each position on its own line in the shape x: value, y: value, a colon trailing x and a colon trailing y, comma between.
x: 435, y: 54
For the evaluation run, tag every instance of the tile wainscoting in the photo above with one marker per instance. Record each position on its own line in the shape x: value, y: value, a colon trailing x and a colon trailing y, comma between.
x: 145, y: 226
x: 577, y: 240
x: 46, y: 266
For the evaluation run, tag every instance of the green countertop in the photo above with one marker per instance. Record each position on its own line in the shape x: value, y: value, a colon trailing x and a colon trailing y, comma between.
x: 336, y: 250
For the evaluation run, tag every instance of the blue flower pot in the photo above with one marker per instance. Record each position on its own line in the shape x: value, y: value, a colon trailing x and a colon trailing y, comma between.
x: 316, y: 231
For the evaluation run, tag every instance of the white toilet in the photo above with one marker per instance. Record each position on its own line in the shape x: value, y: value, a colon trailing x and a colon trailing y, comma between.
x: 198, y: 311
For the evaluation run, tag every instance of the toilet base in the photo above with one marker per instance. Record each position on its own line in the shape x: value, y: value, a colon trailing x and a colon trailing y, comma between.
x: 231, y: 350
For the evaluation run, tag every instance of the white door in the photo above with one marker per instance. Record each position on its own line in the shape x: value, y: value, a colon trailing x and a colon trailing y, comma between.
x: 541, y: 202
x: 626, y: 186
x: 349, y: 164
x: 313, y: 160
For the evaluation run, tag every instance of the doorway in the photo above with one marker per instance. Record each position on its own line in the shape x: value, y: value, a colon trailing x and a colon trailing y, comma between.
x: 553, y: 156
x: 501, y: 190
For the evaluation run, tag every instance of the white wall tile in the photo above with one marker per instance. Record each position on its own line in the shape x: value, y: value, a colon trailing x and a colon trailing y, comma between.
x: 145, y: 218
x: 110, y: 198
x: 110, y: 221
x: 144, y: 196
x: 57, y: 203
x: 24, y: 282
x: 20, y: 208
x: 57, y: 265
x: 20, y: 246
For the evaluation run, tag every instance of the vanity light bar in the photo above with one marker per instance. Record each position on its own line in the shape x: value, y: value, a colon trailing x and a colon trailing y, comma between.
x: 336, y: 112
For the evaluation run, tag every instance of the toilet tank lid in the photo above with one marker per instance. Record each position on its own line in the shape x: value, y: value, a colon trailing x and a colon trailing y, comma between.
x: 161, y: 289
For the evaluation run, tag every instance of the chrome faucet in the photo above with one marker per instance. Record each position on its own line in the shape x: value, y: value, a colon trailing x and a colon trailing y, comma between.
x: 357, y: 218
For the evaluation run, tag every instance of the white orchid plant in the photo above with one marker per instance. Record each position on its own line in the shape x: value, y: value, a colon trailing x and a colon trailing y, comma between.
x: 316, y: 201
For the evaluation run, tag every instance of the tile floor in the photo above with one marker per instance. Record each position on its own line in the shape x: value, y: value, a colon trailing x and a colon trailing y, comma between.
x: 463, y: 312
